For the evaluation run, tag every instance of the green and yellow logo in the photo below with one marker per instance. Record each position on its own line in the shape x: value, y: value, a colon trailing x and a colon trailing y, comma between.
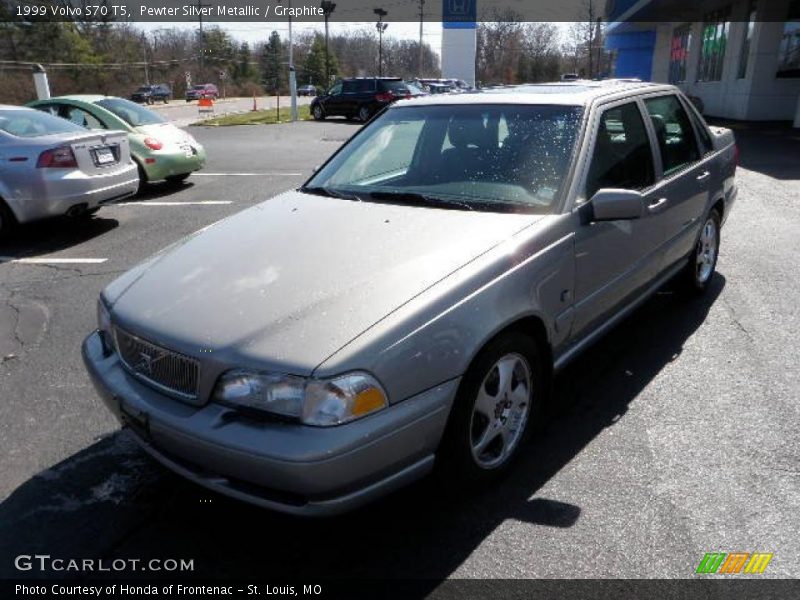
x: 734, y: 562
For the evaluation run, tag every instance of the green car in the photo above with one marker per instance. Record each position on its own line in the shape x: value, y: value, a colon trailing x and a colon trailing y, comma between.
x: 160, y: 149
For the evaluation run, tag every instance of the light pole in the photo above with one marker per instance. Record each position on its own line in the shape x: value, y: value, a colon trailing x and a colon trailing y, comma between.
x: 421, y: 19
x: 144, y: 57
x: 327, y: 8
x: 381, y: 27
x: 292, y: 75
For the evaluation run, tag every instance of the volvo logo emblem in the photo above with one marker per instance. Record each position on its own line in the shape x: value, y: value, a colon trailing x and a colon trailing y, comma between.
x: 145, y: 363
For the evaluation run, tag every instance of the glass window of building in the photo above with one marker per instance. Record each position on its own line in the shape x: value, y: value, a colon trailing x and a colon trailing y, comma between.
x: 789, y: 51
x: 716, y: 27
x: 747, y: 39
x: 679, y: 53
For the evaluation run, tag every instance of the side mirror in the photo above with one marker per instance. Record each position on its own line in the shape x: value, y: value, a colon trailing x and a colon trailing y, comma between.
x: 610, y: 204
x: 315, y: 168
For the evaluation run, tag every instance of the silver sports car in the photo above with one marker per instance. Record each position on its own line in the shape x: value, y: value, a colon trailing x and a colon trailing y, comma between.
x: 407, y: 307
x: 50, y: 166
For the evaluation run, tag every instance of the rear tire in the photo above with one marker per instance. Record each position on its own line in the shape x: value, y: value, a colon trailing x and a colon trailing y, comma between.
x: 703, y: 261
x: 318, y: 113
x: 7, y: 221
x: 176, y: 179
x: 500, y: 401
x: 364, y: 114
x: 142, y: 177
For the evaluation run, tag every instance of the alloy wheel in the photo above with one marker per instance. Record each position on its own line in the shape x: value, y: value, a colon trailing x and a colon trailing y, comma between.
x: 500, y: 412
x: 706, y: 251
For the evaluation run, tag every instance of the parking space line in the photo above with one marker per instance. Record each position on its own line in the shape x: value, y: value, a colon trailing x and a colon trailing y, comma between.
x: 57, y: 261
x: 165, y: 203
x: 246, y: 174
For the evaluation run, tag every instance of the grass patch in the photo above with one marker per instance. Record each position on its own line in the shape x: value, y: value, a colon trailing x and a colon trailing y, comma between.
x: 258, y: 117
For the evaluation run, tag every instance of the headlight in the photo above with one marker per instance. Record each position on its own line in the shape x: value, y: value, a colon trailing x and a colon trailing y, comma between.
x: 104, y: 326
x: 321, y: 402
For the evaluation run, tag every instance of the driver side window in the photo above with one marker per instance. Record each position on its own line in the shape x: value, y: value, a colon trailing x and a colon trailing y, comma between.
x: 622, y: 157
x: 336, y: 89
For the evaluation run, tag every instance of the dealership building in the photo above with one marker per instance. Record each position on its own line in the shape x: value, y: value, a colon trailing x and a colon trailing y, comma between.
x: 741, y: 58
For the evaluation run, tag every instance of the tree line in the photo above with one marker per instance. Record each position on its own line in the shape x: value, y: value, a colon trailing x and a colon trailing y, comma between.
x: 116, y: 58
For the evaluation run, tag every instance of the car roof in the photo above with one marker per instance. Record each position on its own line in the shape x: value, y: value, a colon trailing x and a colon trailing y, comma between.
x: 13, y: 107
x: 579, y: 93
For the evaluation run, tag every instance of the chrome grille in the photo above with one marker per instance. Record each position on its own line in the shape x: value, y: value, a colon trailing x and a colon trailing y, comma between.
x: 169, y: 371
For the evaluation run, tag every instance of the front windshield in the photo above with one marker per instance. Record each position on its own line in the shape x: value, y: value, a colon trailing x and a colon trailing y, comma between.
x: 479, y: 157
x: 130, y: 112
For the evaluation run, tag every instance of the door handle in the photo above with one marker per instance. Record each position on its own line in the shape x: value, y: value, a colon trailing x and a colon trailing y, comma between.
x: 657, y: 205
x: 703, y: 175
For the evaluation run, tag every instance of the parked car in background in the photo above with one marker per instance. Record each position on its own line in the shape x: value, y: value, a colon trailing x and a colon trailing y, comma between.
x: 457, y: 251
x: 452, y: 85
x: 203, y: 90
x: 51, y: 167
x: 439, y: 88
x: 570, y: 77
x: 159, y: 149
x: 149, y: 94
x: 359, y: 97
x: 307, y: 90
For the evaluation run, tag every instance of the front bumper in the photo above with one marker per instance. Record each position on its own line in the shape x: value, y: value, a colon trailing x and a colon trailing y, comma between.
x: 287, y: 467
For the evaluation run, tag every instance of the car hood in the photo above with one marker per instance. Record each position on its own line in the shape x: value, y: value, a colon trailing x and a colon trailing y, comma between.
x: 288, y: 282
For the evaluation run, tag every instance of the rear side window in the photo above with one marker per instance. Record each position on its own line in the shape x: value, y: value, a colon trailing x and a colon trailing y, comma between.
x: 359, y: 85
x: 622, y: 157
x: 674, y: 133
x: 398, y: 87
x: 81, y: 117
x: 706, y: 145
x: 130, y: 112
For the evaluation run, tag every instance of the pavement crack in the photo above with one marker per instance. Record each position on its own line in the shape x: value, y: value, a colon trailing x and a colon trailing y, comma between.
x: 736, y: 321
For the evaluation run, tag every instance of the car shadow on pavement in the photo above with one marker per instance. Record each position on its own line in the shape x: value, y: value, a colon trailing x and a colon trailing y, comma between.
x: 110, y: 501
x: 154, y: 191
x: 52, y: 235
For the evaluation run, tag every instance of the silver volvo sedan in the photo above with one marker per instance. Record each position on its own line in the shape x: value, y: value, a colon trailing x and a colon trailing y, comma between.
x: 406, y: 308
x: 50, y: 166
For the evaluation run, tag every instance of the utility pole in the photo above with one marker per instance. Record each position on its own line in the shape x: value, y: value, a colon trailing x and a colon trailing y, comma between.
x: 591, y: 40
x: 327, y: 8
x: 200, y: 7
x: 144, y: 56
x: 381, y: 27
x: 292, y: 74
x: 421, y: 19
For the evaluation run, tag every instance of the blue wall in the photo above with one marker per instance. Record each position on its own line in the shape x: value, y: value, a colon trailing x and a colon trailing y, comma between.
x: 634, y: 53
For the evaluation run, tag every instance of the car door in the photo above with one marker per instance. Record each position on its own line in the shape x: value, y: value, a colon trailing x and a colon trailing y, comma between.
x: 616, y: 260
x: 687, y: 176
x: 332, y: 103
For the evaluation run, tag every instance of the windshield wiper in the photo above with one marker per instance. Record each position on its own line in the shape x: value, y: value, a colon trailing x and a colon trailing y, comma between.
x: 329, y: 192
x: 419, y: 199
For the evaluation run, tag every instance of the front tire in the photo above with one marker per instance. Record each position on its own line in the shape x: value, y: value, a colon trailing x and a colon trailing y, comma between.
x: 703, y: 262
x: 500, y: 401
x: 318, y: 113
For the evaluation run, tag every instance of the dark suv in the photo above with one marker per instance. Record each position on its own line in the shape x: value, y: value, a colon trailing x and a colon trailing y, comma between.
x: 148, y: 94
x: 360, y: 97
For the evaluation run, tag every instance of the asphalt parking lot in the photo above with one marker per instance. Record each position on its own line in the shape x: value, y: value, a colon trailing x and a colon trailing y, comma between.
x: 676, y: 435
